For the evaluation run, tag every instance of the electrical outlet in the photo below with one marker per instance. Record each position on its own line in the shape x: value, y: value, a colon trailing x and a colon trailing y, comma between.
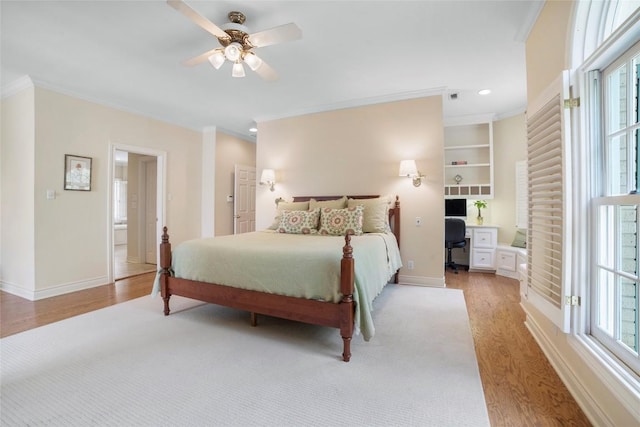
x: 418, y: 221
x: 410, y: 265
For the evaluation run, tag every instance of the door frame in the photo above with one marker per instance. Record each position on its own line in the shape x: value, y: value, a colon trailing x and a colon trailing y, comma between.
x: 143, y: 186
x: 161, y: 207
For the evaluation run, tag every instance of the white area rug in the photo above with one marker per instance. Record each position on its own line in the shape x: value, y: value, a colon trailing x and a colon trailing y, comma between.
x: 128, y: 365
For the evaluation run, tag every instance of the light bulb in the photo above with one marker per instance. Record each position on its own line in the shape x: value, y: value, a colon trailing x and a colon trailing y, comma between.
x: 238, y: 70
x: 217, y: 59
x: 233, y: 51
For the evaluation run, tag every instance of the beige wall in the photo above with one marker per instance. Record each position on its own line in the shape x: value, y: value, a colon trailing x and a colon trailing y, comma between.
x: 358, y: 151
x: 230, y: 151
x: 545, y: 48
x: 546, y: 51
x: 70, y: 232
x: 509, y: 146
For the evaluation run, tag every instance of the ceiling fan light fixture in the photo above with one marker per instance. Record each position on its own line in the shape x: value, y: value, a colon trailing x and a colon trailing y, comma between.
x: 233, y: 51
x: 238, y: 70
x: 252, y: 60
x: 217, y: 59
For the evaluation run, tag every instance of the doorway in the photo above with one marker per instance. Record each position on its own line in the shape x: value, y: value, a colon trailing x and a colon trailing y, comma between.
x: 136, y: 210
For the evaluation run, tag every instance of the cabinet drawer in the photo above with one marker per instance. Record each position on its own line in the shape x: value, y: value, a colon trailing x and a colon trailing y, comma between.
x: 482, y: 258
x: 485, y: 237
x: 506, y: 261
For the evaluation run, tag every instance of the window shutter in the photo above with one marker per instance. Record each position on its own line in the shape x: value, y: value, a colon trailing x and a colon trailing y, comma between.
x: 548, y: 184
x: 521, y: 195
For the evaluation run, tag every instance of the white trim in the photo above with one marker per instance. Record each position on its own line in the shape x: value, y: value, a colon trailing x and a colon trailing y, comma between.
x: 53, y: 291
x: 436, y: 282
x: 532, y: 16
x: 161, y: 200
x: 16, y: 86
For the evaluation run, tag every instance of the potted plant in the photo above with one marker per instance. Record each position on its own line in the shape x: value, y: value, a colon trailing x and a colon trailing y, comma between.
x: 480, y: 204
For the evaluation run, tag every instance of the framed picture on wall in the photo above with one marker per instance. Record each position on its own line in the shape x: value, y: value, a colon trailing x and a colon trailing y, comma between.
x: 77, y: 173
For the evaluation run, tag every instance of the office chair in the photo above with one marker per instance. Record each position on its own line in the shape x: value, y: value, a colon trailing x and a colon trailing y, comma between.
x: 454, y: 237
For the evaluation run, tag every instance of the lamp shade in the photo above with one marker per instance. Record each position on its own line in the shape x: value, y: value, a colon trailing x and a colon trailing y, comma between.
x: 268, y: 176
x: 217, y: 59
x: 238, y: 70
x: 252, y: 61
x: 408, y: 168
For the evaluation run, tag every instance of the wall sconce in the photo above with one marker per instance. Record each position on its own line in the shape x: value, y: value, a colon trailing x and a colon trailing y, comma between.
x: 409, y: 169
x: 268, y: 177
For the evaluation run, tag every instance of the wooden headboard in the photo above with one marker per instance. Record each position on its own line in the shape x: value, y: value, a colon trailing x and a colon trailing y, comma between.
x: 394, y: 211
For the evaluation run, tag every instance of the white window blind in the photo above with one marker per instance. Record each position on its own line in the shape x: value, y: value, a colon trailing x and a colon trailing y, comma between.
x: 522, y: 199
x: 548, y: 177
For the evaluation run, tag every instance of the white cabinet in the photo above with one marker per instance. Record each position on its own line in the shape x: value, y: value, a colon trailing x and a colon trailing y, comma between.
x: 468, y: 156
x: 509, y: 259
x: 483, y: 240
x: 506, y: 260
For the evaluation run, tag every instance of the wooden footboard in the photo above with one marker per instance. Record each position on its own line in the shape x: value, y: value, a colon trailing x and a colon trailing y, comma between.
x: 337, y: 315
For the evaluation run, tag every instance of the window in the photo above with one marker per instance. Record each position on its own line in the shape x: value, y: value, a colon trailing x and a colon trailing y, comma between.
x: 615, y: 287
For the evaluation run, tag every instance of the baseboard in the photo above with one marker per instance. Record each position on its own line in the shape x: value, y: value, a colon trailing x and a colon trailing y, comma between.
x: 436, y: 282
x: 16, y: 290
x: 53, y: 290
x: 576, y: 387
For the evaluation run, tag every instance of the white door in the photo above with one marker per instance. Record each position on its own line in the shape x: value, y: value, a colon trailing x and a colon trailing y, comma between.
x: 244, y: 200
x: 151, y: 220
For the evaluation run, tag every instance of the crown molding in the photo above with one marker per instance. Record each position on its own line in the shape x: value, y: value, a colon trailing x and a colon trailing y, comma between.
x: 22, y: 83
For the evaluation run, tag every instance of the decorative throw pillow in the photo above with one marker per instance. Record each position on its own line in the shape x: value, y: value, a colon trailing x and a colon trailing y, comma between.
x: 288, y: 206
x: 340, y: 203
x: 338, y: 222
x: 299, y: 222
x: 375, y: 217
x: 520, y: 240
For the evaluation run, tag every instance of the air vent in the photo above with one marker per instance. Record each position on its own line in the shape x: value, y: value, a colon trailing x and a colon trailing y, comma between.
x: 453, y: 96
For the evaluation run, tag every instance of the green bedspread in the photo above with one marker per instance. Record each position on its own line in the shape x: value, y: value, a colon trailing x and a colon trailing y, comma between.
x: 302, y: 266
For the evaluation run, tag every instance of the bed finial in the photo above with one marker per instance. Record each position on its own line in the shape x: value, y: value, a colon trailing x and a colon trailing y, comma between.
x: 347, y: 249
x: 165, y: 236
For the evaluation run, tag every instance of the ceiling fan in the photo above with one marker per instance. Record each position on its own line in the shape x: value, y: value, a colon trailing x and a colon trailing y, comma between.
x: 236, y: 41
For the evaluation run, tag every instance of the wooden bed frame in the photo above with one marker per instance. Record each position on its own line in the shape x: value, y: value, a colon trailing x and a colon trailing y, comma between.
x: 337, y: 315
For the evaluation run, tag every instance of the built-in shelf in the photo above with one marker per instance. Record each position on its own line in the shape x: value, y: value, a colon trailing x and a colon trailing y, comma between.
x: 472, y: 145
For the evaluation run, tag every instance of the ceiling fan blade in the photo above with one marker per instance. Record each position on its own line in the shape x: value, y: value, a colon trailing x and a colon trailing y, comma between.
x: 199, y: 20
x: 201, y: 58
x: 266, y: 72
x: 280, y: 34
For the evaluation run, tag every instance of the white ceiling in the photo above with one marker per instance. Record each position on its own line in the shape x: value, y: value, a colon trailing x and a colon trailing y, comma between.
x: 128, y: 54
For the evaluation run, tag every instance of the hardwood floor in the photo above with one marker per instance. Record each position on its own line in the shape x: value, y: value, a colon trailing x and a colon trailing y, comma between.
x: 123, y: 269
x: 521, y: 388
x: 18, y: 314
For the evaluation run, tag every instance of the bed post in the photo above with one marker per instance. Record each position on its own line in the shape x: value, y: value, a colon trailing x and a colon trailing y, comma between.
x: 165, y: 265
x: 347, y: 278
x: 396, y: 231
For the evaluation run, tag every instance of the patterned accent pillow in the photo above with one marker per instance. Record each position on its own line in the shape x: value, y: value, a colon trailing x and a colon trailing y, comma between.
x: 287, y: 206
x: 338, y: 222
x: 299, y: 222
